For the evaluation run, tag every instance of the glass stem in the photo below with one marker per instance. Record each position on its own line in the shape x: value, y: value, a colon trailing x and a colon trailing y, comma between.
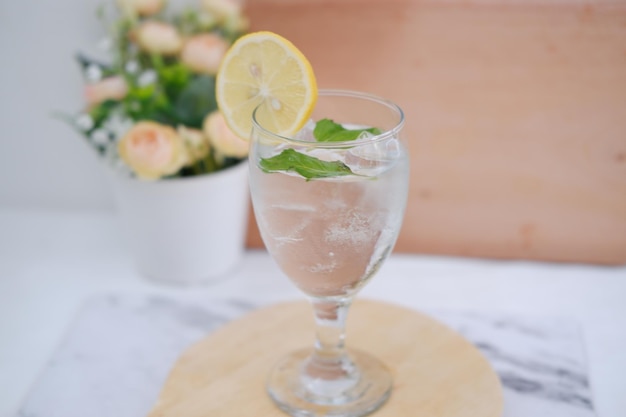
x: 329, y: 360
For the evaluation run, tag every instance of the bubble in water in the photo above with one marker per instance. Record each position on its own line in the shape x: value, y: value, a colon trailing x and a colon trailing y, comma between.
x: 355, y: 229
x: 320, y: 268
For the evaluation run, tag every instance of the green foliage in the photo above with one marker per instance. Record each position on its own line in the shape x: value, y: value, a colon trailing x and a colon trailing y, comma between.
x: 190, y: 22
x: 158, y: 88
x: 307, y: 166
x: 195, y: 101
x: 327, y: 130
x: 310, y: 167
x: 101, y: 112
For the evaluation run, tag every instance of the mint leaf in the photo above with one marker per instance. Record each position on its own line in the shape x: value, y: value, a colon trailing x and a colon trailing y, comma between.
x: 307, y: 166
x: 327, y: 130
x: 310, y: 167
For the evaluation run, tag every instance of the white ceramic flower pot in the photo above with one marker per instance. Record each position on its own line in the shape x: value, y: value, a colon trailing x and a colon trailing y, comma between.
x: 185, y: 230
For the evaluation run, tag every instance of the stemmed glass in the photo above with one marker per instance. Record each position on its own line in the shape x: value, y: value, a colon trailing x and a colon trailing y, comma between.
x: 330, y: 229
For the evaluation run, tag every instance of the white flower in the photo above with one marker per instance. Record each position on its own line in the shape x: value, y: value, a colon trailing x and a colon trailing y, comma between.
x: 146, y: 78
x: 118, y: 124
x: 84, y: 122
x: 110, y: 154
x: 99, y: 137
x: 112, y: 158
x: 93, y: 73
x: 131, y: 67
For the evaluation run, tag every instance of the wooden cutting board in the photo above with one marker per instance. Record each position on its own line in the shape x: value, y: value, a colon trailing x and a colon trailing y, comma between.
x: 516, y: 115
x: 436, y: 371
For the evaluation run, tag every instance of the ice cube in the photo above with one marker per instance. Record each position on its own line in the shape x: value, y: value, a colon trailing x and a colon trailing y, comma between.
x: 285, y: 223
x: 374, y: 158
x: 328, y: 155
x: 306, y: 133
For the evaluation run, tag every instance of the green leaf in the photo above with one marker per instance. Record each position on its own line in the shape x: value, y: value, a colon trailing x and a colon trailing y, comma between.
x: 175, y: 76
x: 307, y: 166
x: 327, y: 130
x: 143, y: 93
x: 101, y: 112
x: 195, y: 101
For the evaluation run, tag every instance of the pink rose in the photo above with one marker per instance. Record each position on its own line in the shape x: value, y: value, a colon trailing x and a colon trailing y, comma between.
x: 195, y: 142
x: 222, y: 9
x: 223, y: 140
x: 204, y: 53
x: 158, y: 38
x: 141, y: 7
x: 152, y: 150
x: 111, y: 88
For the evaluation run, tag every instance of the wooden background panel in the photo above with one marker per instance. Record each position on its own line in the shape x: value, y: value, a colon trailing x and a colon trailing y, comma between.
x: 516, y: 116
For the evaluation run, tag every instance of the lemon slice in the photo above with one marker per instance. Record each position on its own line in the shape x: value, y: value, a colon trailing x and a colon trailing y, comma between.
x: 263, y: 68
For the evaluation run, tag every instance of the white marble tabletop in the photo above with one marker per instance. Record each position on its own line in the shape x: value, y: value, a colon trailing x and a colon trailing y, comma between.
x: 51, y: 263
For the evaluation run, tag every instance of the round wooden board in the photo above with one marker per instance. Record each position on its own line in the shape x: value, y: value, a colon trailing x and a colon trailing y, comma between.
x: 436, y: 371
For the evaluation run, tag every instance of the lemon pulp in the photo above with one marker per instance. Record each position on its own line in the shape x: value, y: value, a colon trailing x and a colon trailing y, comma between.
x: 265, y: 70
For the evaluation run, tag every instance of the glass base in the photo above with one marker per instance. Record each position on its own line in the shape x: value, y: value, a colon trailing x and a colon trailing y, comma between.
x: 301, y: 389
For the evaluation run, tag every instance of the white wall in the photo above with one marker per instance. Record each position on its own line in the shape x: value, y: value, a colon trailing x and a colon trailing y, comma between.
x: 43, y: 162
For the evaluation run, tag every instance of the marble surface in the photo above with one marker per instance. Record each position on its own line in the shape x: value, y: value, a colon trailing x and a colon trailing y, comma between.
x: 52, y: 262
x: 117, y: 354
x: 540, y: 361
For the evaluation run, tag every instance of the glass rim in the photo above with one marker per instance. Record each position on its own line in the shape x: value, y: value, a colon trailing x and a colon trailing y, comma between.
x: 386, y: 134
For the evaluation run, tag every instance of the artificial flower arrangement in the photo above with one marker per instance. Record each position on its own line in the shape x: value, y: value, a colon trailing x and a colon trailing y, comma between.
x: 151, y: 111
